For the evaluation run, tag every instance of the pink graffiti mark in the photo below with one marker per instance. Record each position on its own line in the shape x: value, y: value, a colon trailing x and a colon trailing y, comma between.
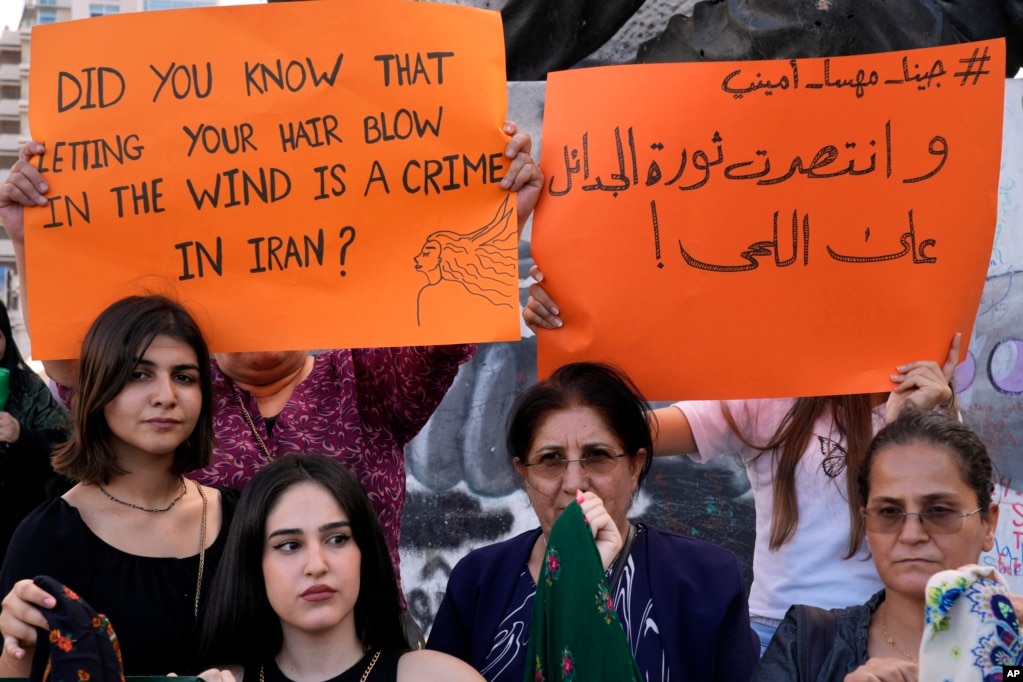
x: 1006, y: 492
x: 965, y: 373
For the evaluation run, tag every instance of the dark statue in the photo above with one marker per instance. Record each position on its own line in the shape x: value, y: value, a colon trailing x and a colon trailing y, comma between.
x: 548, y: 35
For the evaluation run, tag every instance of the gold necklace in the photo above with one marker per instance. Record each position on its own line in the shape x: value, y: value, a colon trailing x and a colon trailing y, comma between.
x: 365, y: 673
x: 888, y: 637
x: 146, y: 509
x: 252, y: 425
x: 202, y: 547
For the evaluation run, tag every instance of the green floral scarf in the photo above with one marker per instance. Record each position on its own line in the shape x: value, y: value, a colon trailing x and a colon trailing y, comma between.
x: 575, y: 635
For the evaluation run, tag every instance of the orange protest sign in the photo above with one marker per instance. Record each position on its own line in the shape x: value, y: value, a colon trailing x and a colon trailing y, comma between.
x: 759, y: 229
x: 301, y: 175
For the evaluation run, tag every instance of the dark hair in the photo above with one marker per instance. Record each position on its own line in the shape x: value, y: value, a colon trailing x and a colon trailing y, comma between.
x: 11, y: 360
x: 112, y: 348
x: 239, y: 626
x: 852, y: 416
x: 914, y: 426
x: 601, y: 387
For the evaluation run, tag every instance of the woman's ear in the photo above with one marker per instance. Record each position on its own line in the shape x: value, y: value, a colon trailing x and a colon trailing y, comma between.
x: 519, y: 468
x: 990, y: 521
x: 638, y: 461
x: 866, y: 535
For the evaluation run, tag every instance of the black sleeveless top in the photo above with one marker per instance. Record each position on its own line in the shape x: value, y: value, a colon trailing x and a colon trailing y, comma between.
x: 384, y: 670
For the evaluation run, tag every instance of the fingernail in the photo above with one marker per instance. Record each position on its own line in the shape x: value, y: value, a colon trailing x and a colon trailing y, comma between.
x: 901, y: 368
x: 538, y: 277
x: 558, y: 324
x: 43, y: 187
x: 556, y: 310
x: 49, y: 602
x: 579, y: 497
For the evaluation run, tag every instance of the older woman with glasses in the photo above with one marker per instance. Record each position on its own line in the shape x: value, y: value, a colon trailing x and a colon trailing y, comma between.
x: 584, y: 434
x: 927, y: 484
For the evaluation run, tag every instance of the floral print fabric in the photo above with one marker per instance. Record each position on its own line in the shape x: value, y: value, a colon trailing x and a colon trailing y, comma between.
x: 575, y: 633
x: 971, y: 629
x: 82, y: 643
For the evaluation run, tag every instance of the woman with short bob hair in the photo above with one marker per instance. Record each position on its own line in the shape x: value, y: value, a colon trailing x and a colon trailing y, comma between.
x: 109, y: 353
x: 133, y: 537
x: 584, y: 434
x: 311, y: 593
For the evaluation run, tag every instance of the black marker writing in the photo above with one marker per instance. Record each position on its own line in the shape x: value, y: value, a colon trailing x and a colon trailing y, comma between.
x: 241, y: 188
x: 184, y: 81
x: 213, y: 139
x: 100, y: 86
x: 408, y: 72
x: 268, y: 250
x: 318, y: 131
x: 335, y: 185
x: 70, y: 209
x: 145, y: 197
x: 401, y: 125
x: 202, y: 258
x: 293, y: 76
x: 89, y: 154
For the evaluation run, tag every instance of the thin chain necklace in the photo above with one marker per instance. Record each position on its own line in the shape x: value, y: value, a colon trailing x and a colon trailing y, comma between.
x: 252, y: 425
x: 888, y: 638
x: 365, y: 673
x: 147, y: 509
x: 202, y: 547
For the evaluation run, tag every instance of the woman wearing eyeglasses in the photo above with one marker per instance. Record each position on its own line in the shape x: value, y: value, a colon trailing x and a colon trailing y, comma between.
x: 584, y: 434
x: 927, y: 482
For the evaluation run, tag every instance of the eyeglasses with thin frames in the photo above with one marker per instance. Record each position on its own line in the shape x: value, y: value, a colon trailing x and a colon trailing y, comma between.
x: 939, y: 521
x: 552, y: 465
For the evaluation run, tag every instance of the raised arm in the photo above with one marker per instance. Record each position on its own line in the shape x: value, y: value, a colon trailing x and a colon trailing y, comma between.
x: 674, y: 434
x: 25, y: 186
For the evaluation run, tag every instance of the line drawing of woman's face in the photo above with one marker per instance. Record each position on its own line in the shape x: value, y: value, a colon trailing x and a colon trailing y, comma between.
x: 428, y: 261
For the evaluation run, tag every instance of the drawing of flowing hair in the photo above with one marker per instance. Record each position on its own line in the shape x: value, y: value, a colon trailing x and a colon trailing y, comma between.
x: 485, y: 261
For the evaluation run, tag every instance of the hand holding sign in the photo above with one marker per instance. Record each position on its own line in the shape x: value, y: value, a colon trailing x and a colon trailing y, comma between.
x: 24, y: 186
